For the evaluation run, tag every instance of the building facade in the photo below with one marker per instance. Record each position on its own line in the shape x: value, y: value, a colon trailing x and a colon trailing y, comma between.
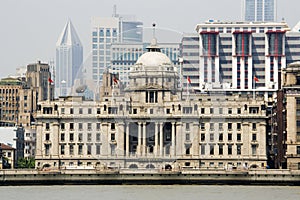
x: 105, y: 32
x: 69, y: 58
x: 260, y: 10
x: 244, y: 56
x: 150, y: 125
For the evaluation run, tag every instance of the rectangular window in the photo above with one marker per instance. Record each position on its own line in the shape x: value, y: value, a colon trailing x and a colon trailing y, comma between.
x: 202, y: 126
x: 229, y: 136
x: 211, y: 137
x: 254, y: 137
x: 187, y: 126
x: 71, y: 136
x: 238, y: 149
x: 71, y: 126
x: 98, y: 125
x: 202, y: 137
x: 187, y: 137
x: 71, y: 111
x: 254, y: 126
x: 47, y: 126
x: 221, y: 111
x: 254, y: 149
x: 89, y: 126
x: 80, y: 149
x: 220, y: 137
x: 89, y: 111
x: 89, y: 137
x: 98, y: 149
x: 211, y: 126
x: 47, y: 149
x: 98, y: 111
x: 80, y: 111
x: 220, y: 126
x: 229, y: 126
x: 62, y: 149
x: 112, y: 126
x: 112, y: 137
x: 71, y: 149
x: 47, y: 136
x: 89, y: 149
x: 221, y: 149
x: 238, y: 126
x: 62, y: 137
x: 229, y: 149
x: 62, y: 110
x: 298, y: 150
x: 79, y: 137
x: 298, y: 137
x: 202, y: 149
x: 211, y: 110
x: 229, y: 110
x: 202, y: 110
x: 62, y: 126
x: 80, y: 126
x: 239, y: 137
x: 211, y: 149
x: 98, y: 137
x: 239, y: 111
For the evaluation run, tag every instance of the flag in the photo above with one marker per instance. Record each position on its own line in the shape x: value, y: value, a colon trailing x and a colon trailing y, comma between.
x: 189, y: 80
x: 115, y: 79
x: 256, y: 79
x: 50, y: 80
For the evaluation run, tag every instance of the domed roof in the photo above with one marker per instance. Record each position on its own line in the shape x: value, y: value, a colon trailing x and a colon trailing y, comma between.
x: 153, y: 59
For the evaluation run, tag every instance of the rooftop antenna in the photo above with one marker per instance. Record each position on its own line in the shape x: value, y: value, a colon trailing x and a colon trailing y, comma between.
x: 154, y: 25
x: 115, y: 10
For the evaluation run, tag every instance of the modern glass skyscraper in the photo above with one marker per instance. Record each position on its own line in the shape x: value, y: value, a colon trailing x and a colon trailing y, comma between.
x: 69, y: 57
x: 259, y: 10
x: 105, y: 32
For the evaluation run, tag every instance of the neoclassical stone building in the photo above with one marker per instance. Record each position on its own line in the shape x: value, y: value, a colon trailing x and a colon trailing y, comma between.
x: 150, y: 124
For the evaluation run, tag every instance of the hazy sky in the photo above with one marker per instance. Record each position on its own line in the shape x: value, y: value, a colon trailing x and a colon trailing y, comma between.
x: 30, y: 28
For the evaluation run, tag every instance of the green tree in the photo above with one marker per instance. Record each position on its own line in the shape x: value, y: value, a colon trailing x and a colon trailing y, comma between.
x: 26, y: 163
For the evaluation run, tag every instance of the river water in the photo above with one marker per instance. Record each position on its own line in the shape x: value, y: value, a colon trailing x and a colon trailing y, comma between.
x: 136, y: 192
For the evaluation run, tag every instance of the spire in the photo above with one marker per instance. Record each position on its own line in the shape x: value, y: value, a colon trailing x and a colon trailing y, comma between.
x: 153, y: 45
x: 68, y: 36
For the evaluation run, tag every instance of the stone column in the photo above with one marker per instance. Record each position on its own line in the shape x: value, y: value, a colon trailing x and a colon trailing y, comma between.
x: 139, y: 138
x: 120, y: 139
x: 127, y: 139
x: 156, y: 146
x: 144, y: 139
x: 161, y: 145
x: 173, y: 139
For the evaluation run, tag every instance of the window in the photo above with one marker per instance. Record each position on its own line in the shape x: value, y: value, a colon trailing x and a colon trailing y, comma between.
x: 211, y: 137
x: 221, y: 149
x: 229, y: 149
x: 239, y: 111
x: 211, y: 149
x: 298, y: 137
x: 89, y: 111
x: 98, y: 149
x: 113, y: 137
x: 62, y: 149
x: 254, y: 126
x: 202, y: 110
x: 98, y: 137
x: 47, y: 136
x: 71, y: 126
x: 254, y: 137
x: 89, y: 126
x: 211, y: 126
x: 202, y: 126
x: 220, y: 137
x: 187, y: 137
x: 80, y: 149
x: 202, y: 137
x: 229, y: 110
x: 220, y: 126
x: 47, y: 149
x: 89, y: 137
x: 202, y: 149
x: 238, y: 137
x: 238, y: 126
x: 71, y: 136
x: 62, y: 137
x: 71, y: 149
x: 254, y: 149
x: 298, y: 150
x: 98, y: 111
x: 80, y: 111
x: 71, y: 111
x: 112, y: 126
x: 62, y: 126
x: 89, y: 149
x: 221, y: 111
x: 238, y: 149
x: 80, y: 137
x: 62, y: 110
x: 229, y: 126
x: 187, y: 126
x: 211, y: 110
x: 98, y: 125
x: 229, y: 136
x: 47, y: 126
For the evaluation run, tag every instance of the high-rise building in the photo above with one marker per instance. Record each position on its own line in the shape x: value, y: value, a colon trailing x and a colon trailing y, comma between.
x: 244, y: 56
x: 259, y: 10
x: 69, y: 58
x: 105, y: 32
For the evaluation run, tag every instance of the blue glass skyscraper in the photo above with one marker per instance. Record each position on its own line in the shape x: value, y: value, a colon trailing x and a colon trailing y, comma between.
x: 259, y: 10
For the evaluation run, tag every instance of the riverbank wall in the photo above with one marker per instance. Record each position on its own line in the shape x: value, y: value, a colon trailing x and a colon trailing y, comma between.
x: 148, y: 177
